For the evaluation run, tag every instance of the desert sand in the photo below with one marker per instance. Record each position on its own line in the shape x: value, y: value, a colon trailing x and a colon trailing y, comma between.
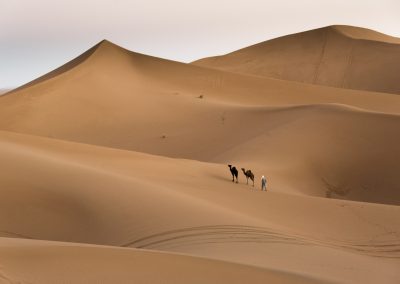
x: 114, y: 170
x: 337, y: 56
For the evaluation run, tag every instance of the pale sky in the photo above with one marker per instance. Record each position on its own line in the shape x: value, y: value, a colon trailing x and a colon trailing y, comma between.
x: 37, y: 36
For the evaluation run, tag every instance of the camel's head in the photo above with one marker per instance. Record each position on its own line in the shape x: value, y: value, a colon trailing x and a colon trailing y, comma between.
x: 230, y: 166
x: 243, y: 169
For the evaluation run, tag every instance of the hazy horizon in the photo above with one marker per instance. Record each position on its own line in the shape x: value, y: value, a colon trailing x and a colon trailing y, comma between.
x: 38, y: 36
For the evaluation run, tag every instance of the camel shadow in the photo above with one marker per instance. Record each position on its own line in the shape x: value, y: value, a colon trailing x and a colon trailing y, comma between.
x: 219, y: 177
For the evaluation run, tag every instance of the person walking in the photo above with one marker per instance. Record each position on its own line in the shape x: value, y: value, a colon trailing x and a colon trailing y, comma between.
x: 263, y: 183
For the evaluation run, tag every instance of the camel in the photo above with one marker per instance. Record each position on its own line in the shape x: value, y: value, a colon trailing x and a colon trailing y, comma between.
x: 234, y: 173
x: 248, y: 175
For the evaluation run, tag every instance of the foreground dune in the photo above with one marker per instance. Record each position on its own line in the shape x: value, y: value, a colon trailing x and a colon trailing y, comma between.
x: 82, y: 193
x: 78, y: 263
x: 337, y: 56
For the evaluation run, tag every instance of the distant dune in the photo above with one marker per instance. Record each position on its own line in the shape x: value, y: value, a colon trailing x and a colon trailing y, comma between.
x: 114, y: 166
x: 108, y: 73
x: 337, y: 56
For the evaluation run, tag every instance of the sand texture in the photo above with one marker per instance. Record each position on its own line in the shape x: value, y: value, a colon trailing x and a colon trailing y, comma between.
x: 114, y: 168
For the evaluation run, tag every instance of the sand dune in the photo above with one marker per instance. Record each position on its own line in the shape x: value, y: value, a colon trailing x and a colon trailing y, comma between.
x: 109, y: 74
x: 139, y: 113
x: 337, y: 56
x: 115, y: 164
x: 89, y: 264
x: 82, y: 193
x: 340, y: 152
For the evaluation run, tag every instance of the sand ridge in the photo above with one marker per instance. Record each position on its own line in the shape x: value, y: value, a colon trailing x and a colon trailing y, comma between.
x: 3, y: 91
x: 365, y: 34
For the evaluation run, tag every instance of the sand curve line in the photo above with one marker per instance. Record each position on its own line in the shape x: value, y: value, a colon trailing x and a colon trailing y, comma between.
x: 248, y: 234
x: 222, y: 231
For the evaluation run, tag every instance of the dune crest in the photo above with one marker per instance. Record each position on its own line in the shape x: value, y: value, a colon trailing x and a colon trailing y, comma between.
x: 365, y: 34
x: 3, y: 91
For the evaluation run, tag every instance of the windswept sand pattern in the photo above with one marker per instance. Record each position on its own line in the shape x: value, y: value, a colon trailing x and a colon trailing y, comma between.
x: 211, y: 234
x: 204, y: 235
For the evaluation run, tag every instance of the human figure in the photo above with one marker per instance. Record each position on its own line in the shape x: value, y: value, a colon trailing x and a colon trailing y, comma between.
x: 263, y: 183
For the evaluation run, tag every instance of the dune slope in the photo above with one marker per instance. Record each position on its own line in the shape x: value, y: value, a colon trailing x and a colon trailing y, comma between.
x: 124, y: 100
x: 337, y: 56
x: 86, y: 194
